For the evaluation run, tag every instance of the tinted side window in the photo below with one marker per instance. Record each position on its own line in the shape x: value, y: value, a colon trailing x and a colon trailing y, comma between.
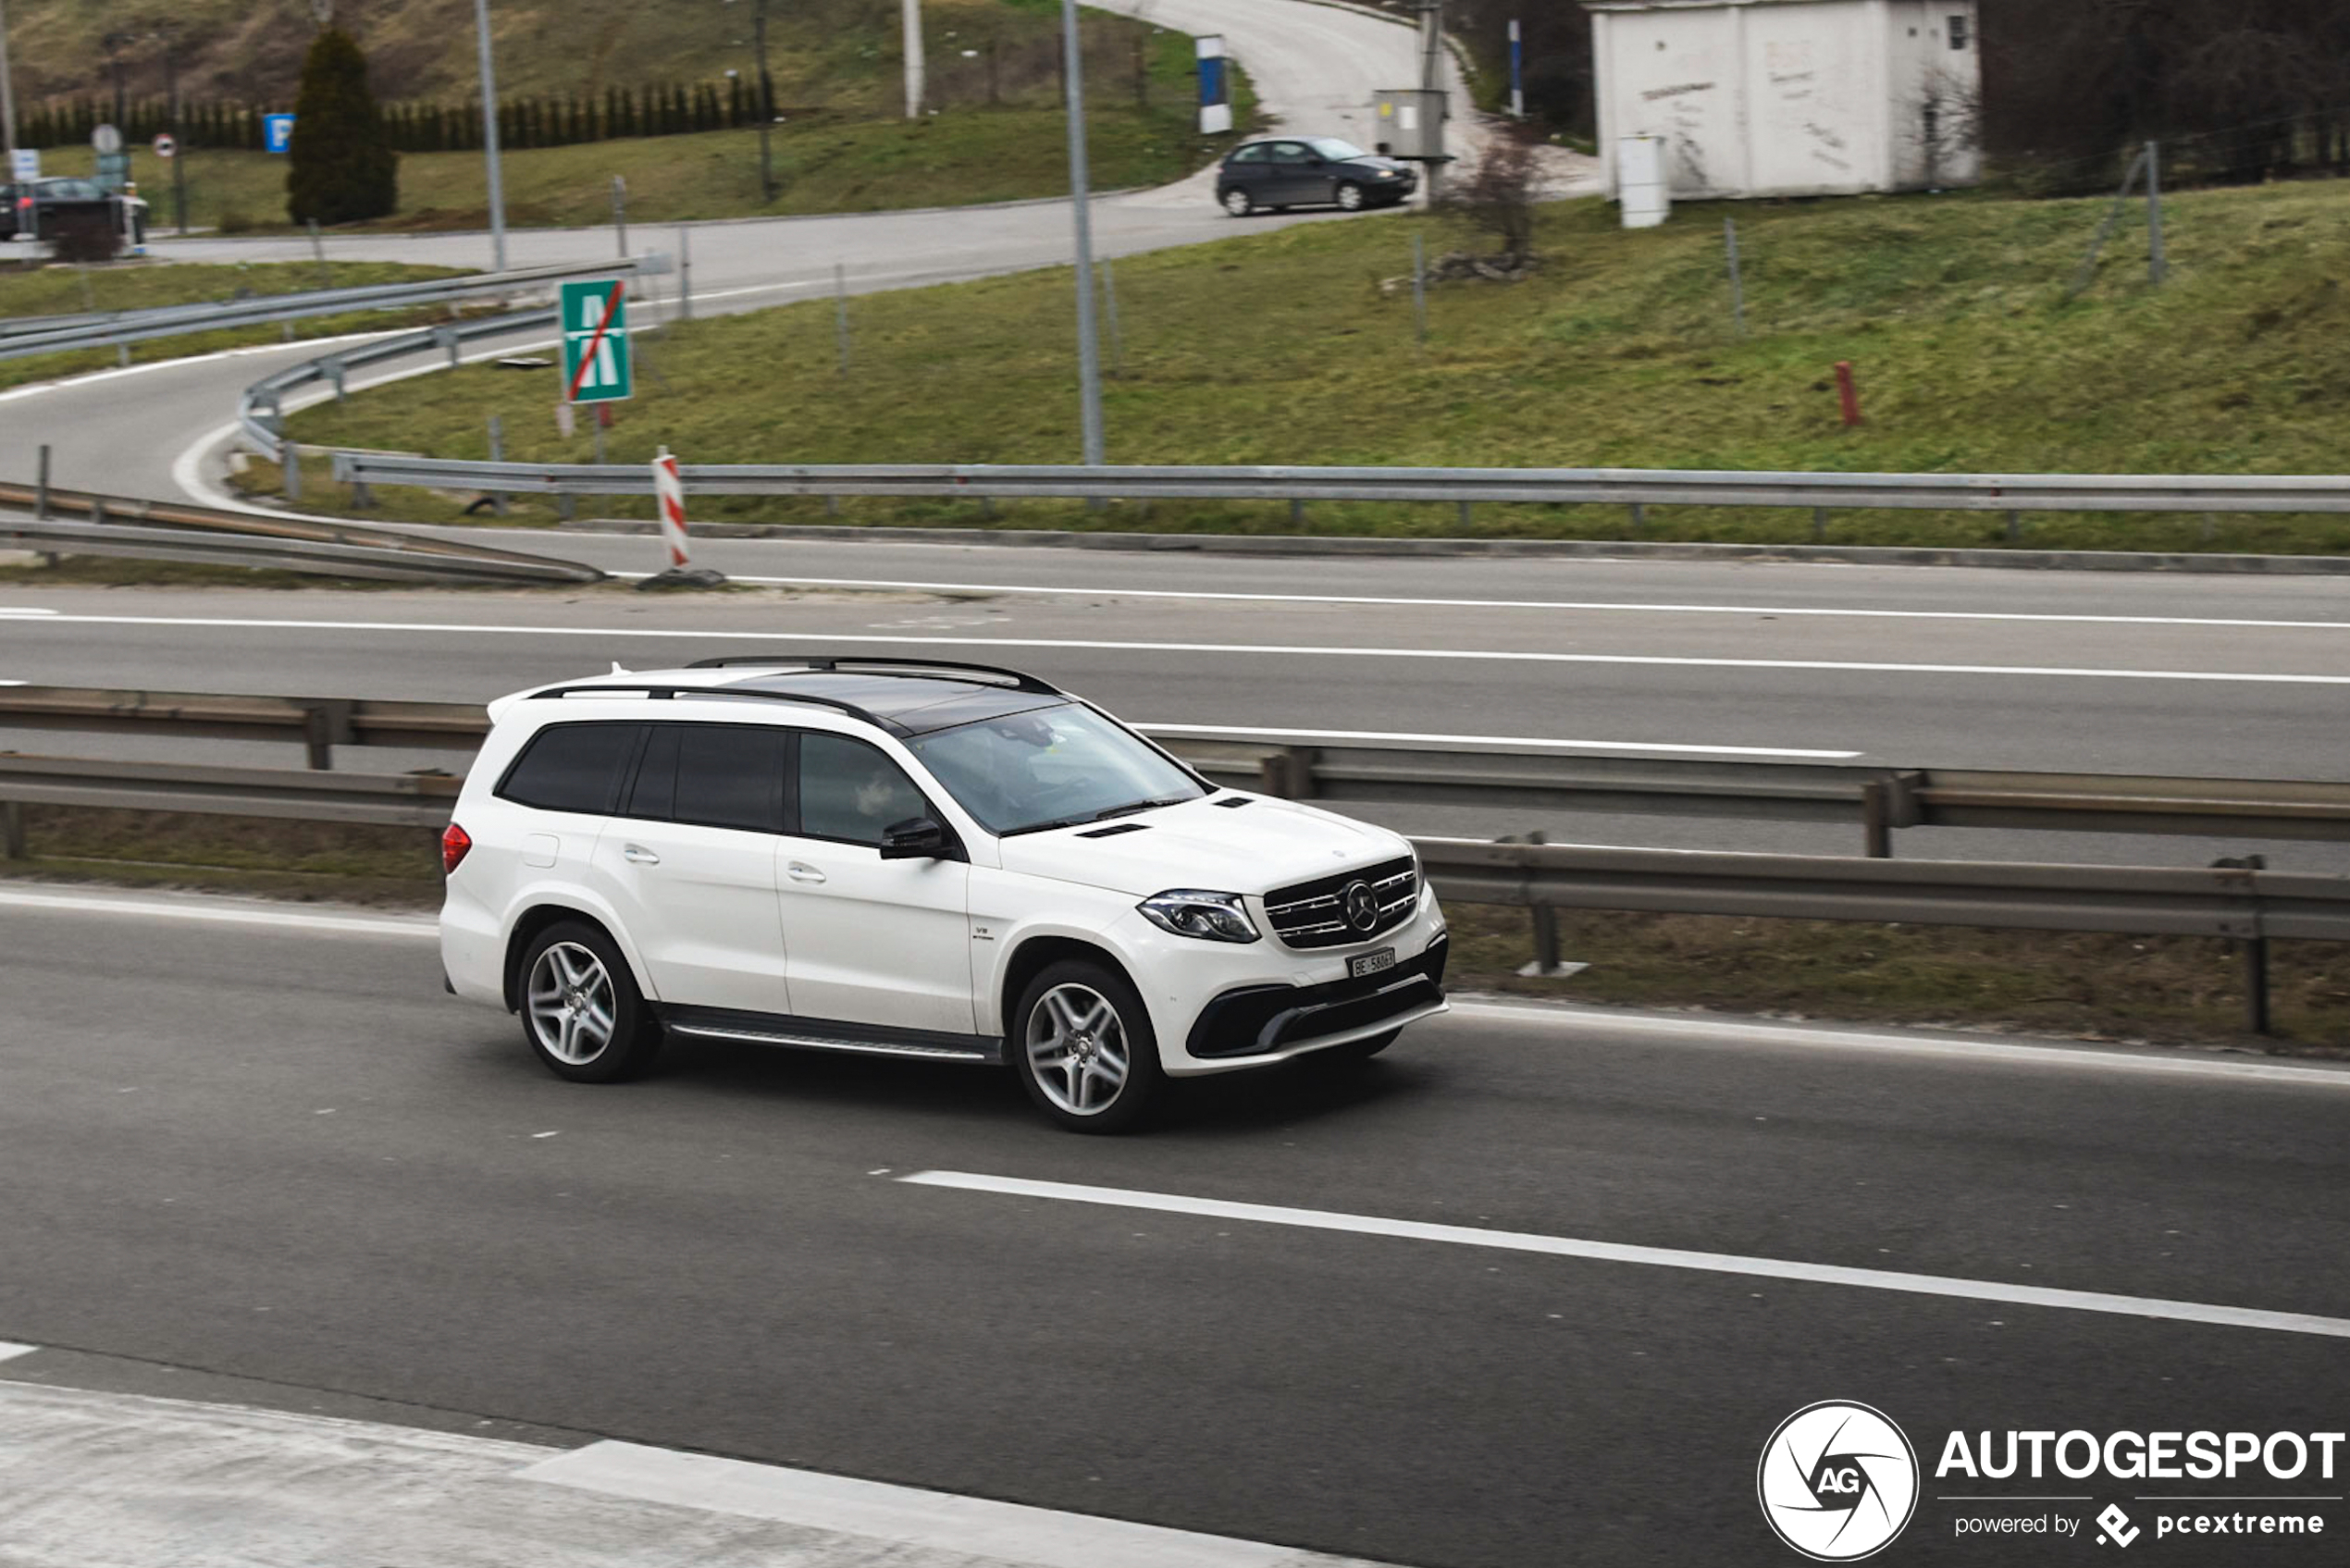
x: 730, y: 776
x: 1253, y: 154
x: 1289, y: 153
x: 571, y: 767
x: 655, y: 794
x: 849, y: 790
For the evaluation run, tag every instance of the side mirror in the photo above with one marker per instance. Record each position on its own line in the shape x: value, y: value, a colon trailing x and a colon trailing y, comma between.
x: 916, y: 838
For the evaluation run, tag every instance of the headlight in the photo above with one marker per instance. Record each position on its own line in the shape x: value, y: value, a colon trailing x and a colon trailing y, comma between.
x: 1211, y: 916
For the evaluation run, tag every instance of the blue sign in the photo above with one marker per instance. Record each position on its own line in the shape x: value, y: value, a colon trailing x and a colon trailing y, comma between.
x: 277, y: 132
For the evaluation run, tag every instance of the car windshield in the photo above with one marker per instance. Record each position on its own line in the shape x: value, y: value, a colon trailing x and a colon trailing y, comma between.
x: 69, y: 190
x: 1336, y: 151
x: 1052, y: 767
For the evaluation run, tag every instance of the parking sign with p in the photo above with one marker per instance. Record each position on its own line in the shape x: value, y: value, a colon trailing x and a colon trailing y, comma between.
x: 595, y: 320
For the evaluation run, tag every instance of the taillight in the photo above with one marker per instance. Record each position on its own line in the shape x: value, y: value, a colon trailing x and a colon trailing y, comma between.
x: 454, y: 842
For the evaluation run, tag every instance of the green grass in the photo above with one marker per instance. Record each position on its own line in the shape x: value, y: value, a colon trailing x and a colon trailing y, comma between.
x: 837, y: 159
x: 133, y: 285
x: 1281, y: 347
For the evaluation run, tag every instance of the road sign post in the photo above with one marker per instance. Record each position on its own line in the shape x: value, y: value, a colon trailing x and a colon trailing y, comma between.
x: 596, y: 358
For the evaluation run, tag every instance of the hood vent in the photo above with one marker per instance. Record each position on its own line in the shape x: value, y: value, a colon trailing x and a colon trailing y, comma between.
x: 1234, y: 803
x: 1113, y: 831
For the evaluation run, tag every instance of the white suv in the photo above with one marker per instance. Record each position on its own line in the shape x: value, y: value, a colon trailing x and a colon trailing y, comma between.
x: 914, y: 858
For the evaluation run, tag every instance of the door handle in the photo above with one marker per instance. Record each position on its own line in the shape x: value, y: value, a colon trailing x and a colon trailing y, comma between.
x: 637, y: 855
x: 800, y: 870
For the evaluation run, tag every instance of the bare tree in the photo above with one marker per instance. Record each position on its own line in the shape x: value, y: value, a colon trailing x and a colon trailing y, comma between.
x: 1496, y: 196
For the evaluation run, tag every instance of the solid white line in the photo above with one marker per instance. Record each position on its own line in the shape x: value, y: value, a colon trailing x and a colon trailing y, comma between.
x: 223, y: 914
x: 1748, y: 1032
x: 1270, y: 596
x: 1655, y: 1257
x: 1273, y: 651
x: 967, y: 1526
x: 1524, y: 742
x: 10, y: 1351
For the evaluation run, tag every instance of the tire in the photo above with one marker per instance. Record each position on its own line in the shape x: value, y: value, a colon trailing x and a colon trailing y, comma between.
x: 1237, y: 202
x: 1356, y: 1051
x: 581, y: 1011
x: 1349, y: 196
x: 1081, y: 1042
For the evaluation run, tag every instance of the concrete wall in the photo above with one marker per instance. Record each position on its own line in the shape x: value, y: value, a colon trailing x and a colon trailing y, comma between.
x: 1820, y: 97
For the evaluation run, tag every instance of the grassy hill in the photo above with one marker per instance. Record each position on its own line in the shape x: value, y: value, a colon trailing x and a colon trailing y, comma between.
x: 1281, y: 347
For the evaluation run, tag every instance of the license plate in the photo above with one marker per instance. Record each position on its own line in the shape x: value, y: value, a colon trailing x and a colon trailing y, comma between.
x: 1371, y: 963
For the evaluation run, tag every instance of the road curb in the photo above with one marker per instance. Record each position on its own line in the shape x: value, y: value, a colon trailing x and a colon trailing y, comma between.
x: 1588, y: 549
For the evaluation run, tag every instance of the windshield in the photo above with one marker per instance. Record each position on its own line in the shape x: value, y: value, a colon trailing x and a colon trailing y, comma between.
x: 1053, y: 766
x: 1338, y: 152
x: 69, y: 190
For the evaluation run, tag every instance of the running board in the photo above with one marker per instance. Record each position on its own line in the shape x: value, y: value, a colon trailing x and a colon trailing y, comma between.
x: 815, y: 1034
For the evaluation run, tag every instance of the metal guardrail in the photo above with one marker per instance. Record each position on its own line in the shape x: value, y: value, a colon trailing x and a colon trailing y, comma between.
x: 23, y: 337
x: 152, y: 530
x: 261, y: 411
x: 421, y: 800
x: 1880, y: 800
x: 1464, y: 487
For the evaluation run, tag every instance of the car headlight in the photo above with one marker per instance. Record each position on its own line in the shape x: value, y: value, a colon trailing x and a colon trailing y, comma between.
x: 1211, y: 916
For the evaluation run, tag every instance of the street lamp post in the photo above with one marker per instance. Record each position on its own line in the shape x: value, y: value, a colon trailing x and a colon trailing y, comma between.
x: 489, y: 137
x: 765, y: 107
x: 916, y: 90
x: 8, y: 93
x: 1089, y: 349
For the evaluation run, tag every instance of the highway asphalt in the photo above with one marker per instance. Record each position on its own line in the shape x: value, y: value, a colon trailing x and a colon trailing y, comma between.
x: 275, y: 1159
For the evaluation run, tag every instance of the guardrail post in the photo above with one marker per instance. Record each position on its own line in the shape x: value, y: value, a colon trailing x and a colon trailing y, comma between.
x: 12, y: 829
x: 1639, y: 517
x: 1546, y: 932
x: 290, y: 463
x: 1886, y: 804
x: 326, y: 724
x: 497, y: 454
x: 334, y: 374
x: 2015, y: 526
x: 2251, y: 951
x: 41, y: 487
x: 1288, y: 774
x: 447, y: 337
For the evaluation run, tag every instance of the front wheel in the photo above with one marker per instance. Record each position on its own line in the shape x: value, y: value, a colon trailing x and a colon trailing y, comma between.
x: 581, y: 1011
x: 1084, y: 1048
x: 1350, y: 196
x: 1237, y: 203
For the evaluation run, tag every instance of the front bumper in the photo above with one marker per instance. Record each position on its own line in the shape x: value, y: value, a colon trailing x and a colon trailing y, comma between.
x: 1268, y: 1022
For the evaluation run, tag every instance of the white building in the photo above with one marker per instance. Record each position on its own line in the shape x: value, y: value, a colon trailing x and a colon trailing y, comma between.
x: 1793, y: 97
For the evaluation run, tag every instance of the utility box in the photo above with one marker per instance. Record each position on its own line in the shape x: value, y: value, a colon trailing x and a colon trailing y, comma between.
x: 1792, y: 97
x: 1410, y: 123
x: 1643, y: 182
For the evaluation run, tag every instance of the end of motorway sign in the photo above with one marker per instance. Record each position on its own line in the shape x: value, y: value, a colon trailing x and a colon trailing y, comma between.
x: 595, y: 322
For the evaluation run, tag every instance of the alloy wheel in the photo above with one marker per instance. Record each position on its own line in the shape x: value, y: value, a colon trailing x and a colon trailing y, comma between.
x: 570, y: 1004
x: 1077, y: 1049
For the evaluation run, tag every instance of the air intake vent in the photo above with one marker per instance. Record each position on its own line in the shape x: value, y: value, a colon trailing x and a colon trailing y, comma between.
x: 1233, y: 802
x: 1113, y: 831
x: 1314, y: 914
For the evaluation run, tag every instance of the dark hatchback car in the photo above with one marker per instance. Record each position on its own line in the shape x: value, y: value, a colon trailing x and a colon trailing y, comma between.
x: 1304, y: 171
x: 35, y: 209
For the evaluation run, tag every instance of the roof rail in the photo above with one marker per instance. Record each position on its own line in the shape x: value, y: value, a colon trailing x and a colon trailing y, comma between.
x: 668, y: 691
x: 1021, y: 679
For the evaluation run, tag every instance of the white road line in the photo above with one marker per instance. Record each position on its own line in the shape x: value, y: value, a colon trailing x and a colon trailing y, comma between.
x: 1521, y: 742
x: 1264, y: 651
x: 10, y: 1351
x: 967, y: 1527
x: 1744, y: 1033
x: 1270, y: 596
x: 1654, y: 1257
x: 223, y: 914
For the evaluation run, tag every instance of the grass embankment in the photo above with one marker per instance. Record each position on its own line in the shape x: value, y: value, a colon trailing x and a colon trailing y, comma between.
x: 837, y: 159
x: 1281, y: 347
x: 2170, y: 989
x: 130, y: 285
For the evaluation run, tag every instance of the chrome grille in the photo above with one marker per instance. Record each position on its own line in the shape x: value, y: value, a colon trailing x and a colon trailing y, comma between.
x: 1312, y: 914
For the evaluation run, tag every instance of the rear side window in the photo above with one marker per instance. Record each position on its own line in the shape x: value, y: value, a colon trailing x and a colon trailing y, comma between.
x: 1252, y: 154
x: 717, y: 775
x: 571, y: 767
x: 850, y: 791
x: 729, y: 775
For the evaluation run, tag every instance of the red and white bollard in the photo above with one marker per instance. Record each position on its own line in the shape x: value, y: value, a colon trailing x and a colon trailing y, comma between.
x: 671, y: 491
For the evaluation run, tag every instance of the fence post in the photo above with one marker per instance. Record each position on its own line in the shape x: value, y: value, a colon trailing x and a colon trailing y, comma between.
x: 1419, y: 286
x: 840, y: 312
x: 1738, y: 284
x: 12, y: 829
x: 620, y: 212
x: 497, y: 454
x: 1116, y: 337
x: 684, y: 272
x: 2158, y: 264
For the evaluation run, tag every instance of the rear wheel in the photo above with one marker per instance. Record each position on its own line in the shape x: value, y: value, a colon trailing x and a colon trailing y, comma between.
x: 1350, y: 196
x: 581, y: 1011
x: 1082, y: 1045
x: 1239, y: 202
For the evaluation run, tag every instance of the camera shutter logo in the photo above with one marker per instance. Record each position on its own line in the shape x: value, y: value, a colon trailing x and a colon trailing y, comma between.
x: 1360, y: 905
x: 1838, y: 1481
